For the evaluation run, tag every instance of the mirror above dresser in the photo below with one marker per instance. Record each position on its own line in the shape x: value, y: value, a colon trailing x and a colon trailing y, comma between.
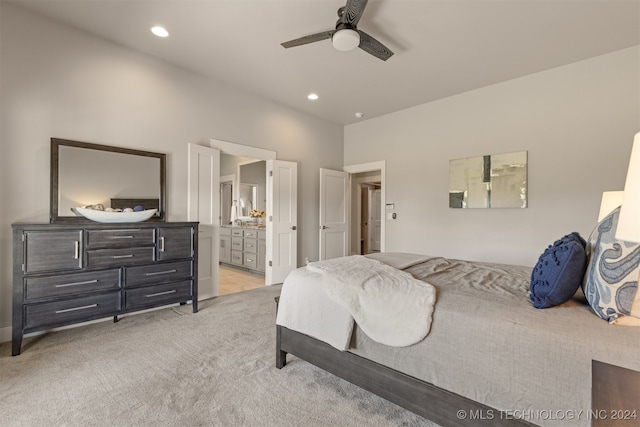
x: 84, y: 173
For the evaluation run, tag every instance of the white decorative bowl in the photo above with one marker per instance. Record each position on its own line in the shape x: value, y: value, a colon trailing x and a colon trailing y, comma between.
x: 104, y: 216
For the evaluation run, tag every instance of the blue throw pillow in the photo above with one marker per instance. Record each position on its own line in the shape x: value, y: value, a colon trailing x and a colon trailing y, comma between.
x: 559, y: 272
x: 573, y: 237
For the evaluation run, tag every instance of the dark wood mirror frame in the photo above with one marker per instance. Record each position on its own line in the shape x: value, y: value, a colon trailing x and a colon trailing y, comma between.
x: 56, y: 143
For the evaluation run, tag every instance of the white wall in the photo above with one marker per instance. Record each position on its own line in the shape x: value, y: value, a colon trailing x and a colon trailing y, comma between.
x: 59, y: 82
x: 577, y: 123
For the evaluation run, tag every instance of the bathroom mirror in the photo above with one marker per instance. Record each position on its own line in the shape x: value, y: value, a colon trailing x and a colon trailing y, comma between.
x: 248, y: 199
x: 252, y: 188
x: 87, y: 174
x: 490, y: 181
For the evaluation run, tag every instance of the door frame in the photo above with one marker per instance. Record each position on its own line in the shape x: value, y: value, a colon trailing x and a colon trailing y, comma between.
x: 234, y: 149
x: 371, y: 167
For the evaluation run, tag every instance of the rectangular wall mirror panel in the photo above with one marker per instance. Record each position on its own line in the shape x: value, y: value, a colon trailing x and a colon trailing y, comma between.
x: 490, y: 181
x: 89, y: 174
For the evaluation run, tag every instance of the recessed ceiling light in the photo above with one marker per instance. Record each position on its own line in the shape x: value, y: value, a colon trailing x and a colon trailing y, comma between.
x: 160, y: 31
x: 359, y: 115
x: 312, y: 96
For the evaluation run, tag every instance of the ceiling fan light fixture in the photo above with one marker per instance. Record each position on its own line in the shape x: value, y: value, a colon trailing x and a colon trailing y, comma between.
x: 346, y: 39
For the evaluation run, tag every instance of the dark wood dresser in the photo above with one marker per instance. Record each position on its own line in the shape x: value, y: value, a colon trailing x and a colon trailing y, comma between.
x: 70, y: 273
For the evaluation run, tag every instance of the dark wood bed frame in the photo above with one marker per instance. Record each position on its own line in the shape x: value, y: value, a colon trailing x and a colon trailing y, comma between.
x: 425, y: 399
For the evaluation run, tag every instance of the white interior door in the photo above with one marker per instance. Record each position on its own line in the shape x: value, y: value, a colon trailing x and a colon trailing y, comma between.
x: 375, y: 221
x: 203, y: 205
x: 363, y: 240
x: 282, y: 220
x: 334, y: 218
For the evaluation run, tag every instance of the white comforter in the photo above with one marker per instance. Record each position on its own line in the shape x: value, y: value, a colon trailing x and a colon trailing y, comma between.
x: 389, y: 305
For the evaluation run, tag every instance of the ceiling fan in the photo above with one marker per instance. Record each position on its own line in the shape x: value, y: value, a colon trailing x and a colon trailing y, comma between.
x: 346, y: 36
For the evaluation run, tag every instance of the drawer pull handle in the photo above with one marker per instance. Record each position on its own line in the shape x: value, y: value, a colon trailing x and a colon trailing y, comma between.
x: 86, y: 282
x: 161, y: 293
x: 84, y: 307
x: 162, y: 244
x: 76, y: 249
x: 249, y: 246
x: 155, y: 273
x: 122, y: 256
x: 122, y: 237
x: 249, y: 260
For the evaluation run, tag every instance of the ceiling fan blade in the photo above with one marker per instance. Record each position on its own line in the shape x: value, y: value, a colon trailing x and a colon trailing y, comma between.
x: 308, y: 39
x: 353, y: 11
x: 373, y: 46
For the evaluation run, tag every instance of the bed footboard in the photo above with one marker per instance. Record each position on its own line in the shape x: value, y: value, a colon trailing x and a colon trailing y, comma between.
x: 424, y: 399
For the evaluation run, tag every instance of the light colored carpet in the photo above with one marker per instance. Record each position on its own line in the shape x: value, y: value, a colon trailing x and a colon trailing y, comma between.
x: 174, y: 368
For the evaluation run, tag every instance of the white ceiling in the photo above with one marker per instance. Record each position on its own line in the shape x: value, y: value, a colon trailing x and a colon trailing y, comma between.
x: 442, y: 47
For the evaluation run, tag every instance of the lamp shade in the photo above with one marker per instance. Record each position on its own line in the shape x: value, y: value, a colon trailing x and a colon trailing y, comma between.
x: 629, y: 221
x: 610, y: 201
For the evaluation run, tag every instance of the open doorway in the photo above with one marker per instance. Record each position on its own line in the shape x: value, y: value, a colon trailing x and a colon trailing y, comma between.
x: 366, y: 222
x: 242, y: 238
x: 345, y: 226
x: 203, y: 205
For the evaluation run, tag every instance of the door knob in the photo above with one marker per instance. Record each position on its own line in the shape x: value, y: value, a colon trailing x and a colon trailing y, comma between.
x: 294, y: 228
x: 324, y: 227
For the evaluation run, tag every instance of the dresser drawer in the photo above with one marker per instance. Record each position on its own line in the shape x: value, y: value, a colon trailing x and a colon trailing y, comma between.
x: 236, y: 232
x: 78, y: 309
x: 236, y: 244
x: 70, y: 284
x: 128, y: 237
x: 251, y: 245
x: 250, y: 261
x: 158, y: 273
x: 119, y: 257
x: 151, y: 296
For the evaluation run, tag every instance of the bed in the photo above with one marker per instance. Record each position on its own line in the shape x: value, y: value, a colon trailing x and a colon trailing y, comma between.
x: 490, y: 357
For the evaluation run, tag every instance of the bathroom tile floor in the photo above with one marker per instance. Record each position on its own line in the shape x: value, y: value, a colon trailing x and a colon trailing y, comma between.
x: 232, y: 280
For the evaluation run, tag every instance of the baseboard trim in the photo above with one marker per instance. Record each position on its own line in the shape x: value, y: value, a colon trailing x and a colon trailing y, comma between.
x: 5, y: 334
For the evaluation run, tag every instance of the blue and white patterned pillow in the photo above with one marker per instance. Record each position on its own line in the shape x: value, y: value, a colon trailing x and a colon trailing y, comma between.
x: 611, y: 281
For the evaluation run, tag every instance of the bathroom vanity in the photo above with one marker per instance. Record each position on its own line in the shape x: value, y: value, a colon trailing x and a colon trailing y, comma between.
x: 243, y: 247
